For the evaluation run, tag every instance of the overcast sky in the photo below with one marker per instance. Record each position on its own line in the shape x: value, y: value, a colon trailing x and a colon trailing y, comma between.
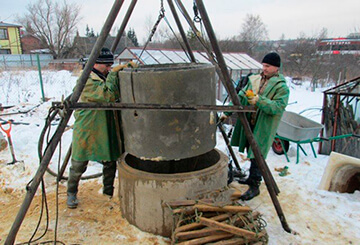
x: 288, y: 17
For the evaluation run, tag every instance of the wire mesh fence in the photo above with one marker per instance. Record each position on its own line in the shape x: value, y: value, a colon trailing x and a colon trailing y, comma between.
x: 23, y: 60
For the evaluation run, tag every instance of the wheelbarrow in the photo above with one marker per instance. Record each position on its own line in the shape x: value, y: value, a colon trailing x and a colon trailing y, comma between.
x: 299, y: 130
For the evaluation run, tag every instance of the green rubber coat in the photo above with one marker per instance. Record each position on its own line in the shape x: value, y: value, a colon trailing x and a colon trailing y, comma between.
x: 94, y: 134
x: 270, y: 107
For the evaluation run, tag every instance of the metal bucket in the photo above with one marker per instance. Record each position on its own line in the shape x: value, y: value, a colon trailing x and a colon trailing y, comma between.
x: 168, y: 135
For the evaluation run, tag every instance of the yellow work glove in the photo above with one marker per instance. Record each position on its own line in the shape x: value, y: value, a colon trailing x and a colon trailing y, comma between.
x: 120, y: 67
x: 132, y: 64
x: 253, y: 100
x: 251, y: 96
x: 249, y: 93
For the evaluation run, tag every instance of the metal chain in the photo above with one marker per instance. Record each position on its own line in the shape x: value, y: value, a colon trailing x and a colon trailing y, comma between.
x: 161, y: 16
x: 162, y: 10
x: 197, y: 18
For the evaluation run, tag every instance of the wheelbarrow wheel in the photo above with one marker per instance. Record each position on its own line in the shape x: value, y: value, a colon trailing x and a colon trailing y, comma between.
x: 276, y: 146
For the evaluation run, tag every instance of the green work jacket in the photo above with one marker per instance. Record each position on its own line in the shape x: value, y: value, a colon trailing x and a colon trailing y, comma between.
x: 94, y: 133
x: 270, y: 107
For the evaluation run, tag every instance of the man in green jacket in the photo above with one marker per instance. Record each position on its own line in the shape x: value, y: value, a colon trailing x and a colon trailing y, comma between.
x: 269, y: 94
x: 94, y: 133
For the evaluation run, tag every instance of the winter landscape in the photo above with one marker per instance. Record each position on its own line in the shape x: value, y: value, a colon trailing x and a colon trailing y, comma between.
x: 317, y: 216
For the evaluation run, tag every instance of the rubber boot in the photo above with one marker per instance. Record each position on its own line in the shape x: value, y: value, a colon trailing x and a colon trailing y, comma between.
x: 72, y: 201
x: 109, y: 172
x: 77, y: 168
x: 252, y: 192
x: 238, y: 173
x: 254, y: 176
x: 244, y: 181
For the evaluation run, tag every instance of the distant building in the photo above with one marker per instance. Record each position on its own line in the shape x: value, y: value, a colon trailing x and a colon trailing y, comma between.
x: 84, y: 45
x: 65, y: 64
x: 10, y: 42
x: 30, y: 44
x: 340, y: 45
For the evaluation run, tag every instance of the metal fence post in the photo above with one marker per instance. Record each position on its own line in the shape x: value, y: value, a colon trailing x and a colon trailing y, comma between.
x: 40, y: 76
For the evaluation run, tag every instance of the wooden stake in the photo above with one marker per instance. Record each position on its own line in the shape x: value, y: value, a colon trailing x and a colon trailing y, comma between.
x: 179, y: 203
x: 233, y: 241
x: 227, y: 228
x: 236, y: 194
x: 194, y: 226
x: 239, y: 221
x: 209, y: 208
x: 197, y: 233
x: 207, y: 239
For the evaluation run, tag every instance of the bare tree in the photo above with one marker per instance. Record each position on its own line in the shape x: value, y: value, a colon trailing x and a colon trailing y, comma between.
x: 298, y: 55
x: 302, y: 60
x: 323, y: 33
x: 355, y: 33
x: 53, y: 23
x: 230, y: 45
x: 253, y: 33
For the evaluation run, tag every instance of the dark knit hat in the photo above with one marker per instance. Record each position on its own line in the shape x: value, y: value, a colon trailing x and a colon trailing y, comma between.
x: 106, y: 56
x: 272, y: 59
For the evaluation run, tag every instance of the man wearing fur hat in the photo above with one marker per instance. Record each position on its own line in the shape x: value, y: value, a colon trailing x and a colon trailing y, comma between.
x: 269, y: 94
x: 94, y: 133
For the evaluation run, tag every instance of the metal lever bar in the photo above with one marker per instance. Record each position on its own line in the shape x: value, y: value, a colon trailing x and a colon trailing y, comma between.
x: 269, y: 181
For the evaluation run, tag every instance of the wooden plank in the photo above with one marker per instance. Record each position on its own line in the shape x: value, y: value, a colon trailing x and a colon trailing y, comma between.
x: 227, y: 228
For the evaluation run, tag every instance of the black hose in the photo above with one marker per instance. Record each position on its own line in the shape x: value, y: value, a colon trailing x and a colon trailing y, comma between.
x: 51, y: 116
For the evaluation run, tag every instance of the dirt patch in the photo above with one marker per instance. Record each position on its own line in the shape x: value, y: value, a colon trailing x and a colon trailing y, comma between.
x: 97, y: 220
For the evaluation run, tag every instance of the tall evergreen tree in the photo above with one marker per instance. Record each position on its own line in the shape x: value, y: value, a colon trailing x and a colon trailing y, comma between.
x: 88, y: 32
x: 132, y: 36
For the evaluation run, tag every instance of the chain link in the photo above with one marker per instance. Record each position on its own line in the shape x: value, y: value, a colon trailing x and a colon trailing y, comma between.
x: 153, y: 30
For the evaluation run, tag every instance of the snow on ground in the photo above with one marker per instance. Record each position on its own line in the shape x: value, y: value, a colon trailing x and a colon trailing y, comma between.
x: 319, y: 217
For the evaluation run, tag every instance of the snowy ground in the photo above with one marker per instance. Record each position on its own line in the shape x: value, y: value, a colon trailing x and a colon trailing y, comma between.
x: 319, y: 217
